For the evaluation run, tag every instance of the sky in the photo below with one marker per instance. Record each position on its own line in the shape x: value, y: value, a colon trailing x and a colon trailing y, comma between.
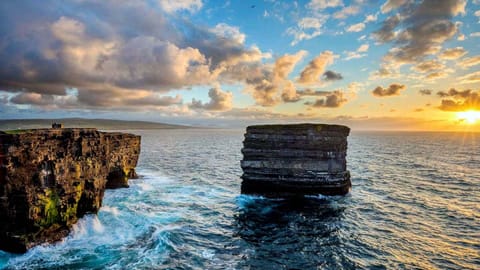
x: 369, y: 64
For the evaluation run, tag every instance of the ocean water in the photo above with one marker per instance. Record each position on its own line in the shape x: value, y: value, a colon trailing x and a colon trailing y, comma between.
x: 414, y: 204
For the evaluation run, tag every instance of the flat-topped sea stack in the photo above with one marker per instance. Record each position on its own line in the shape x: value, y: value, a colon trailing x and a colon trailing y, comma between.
x: 51, y: 177
x: 295, y: 159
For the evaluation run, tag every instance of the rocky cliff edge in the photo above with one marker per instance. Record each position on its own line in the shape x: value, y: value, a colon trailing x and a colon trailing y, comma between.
x: 49, y: 178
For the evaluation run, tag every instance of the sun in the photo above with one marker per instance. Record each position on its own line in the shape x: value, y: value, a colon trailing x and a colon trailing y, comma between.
x: 470, y: 117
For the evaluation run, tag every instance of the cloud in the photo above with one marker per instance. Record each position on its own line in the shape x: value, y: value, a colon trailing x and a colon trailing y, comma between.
x: 285, y: 64
x: 392, y: 90
x: 269, y: 85
x: 232, y: 32
x: 346, y: 11
x: 313, y: 93
x: 333, y: 99
x: 307, y: 28
x: 36, y: 99
x: 475, y: 34
x: 469, y: 62
x: 390, y: 5
x: 470, y: 78
x: 53, y: 46
x: 219, y: 101
x: 387, y: 32
x: 174, y: 5
x: 371, y: 18
x: 385, y: 72
x: 428, y: 66
x: 323, y: 4
x: 425, y: 92
x: 355, y: 27
x: 456, y: 100
x: 264, y: 92
x: 359, y: 53
x: 103, y: 99
x: 363, y: 48
x: 332, y: 76
x: 425, y: 26
x: 253, y: 113
x: 311, y: 73
x: 437, y: 74
x: 289, y: 93
x: 477, y: 13
x: 453, y: 53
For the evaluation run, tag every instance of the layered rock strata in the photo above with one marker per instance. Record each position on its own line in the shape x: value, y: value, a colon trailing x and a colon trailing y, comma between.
x: 51, y: 177
x: 297, y: 159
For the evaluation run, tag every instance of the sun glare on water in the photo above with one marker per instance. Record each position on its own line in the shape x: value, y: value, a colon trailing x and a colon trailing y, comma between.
x: 470, y: 117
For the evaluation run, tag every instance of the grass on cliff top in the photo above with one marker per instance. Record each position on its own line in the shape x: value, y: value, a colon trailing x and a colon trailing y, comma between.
x: 17, y: 131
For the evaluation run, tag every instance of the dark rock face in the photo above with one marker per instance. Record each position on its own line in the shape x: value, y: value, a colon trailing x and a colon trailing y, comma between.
x: 51, y: 177
x: 298, y: 159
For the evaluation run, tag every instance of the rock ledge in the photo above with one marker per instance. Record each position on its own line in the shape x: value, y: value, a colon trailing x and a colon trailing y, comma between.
x: 296, y: 159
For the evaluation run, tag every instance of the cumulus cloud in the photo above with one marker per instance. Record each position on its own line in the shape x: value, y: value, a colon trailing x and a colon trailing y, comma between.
x: 175, y: 5
x: 41, y: 100
x: 453, y: 53
x: 312, y: 93
x: 346, y: 11
x: 285, y: 64
x: 425, y: 26
x: 363, y: 48
x: 332, y: 76
x: 316, y: 67
x: 269, y: 85
x: 219, y: 101
x: 371, y: 18
x: 392, y: 90
x: 473, y: 77
x: 428, y: 66
x: 390, y: 5
x: 323, y: 4
x: 307, y: 28
x: 457, y: 100
x: 387, y: 32
x: 437, y: 75
x: 469, y: 61
x: 359, y: 53
x: 355, y: 27
x: 333, y: 99
x: 289, y: 93
x: 425, y: 92
x: 53, y: 46
x: 103, y: 99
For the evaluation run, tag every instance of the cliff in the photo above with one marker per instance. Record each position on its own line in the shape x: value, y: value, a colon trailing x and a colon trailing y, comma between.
x: 298, y: 159
x: 51, y: 177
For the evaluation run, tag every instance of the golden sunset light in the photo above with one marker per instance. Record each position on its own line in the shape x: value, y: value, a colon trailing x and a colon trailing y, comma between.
x: 470, y: 117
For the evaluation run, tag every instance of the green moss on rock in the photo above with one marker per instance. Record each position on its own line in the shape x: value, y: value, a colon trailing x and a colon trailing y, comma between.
x: 50, y: 202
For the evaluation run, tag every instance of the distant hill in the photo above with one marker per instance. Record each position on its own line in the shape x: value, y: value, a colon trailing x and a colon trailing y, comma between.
x: 102, y: 124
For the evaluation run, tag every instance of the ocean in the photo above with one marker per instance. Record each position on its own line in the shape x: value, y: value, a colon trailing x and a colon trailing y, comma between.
x: 414, y: 204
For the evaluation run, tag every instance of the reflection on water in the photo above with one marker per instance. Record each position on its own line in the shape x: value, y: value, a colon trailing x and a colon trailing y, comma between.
x: 296, y: 233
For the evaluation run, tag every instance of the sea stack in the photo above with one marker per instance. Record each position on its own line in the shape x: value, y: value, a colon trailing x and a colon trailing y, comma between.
x: 51, y: 177
x: 295, y: 159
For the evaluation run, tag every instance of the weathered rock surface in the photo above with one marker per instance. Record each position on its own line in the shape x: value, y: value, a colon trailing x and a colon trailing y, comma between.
x: 297, y: 159
x: 51, y: 177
